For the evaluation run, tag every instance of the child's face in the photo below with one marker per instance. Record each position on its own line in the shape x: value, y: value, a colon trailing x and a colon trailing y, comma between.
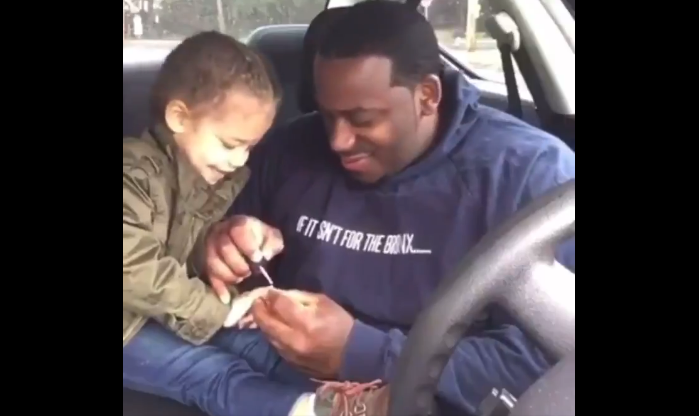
x: 217, y: 139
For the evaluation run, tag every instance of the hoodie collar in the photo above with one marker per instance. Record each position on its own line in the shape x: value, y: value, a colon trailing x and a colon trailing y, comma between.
x: 456, y: 116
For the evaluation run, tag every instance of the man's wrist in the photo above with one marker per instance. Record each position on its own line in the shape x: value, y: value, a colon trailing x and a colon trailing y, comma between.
x: 362, y: 360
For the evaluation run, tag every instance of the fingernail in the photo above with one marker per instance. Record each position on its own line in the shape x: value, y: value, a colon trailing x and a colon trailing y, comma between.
x: 268, y: 255
x: 225, y: 298
x: 257, y: 256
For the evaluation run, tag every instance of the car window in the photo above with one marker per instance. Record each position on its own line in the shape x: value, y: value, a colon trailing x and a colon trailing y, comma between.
x: 460, y: 28
x: 177, y: 19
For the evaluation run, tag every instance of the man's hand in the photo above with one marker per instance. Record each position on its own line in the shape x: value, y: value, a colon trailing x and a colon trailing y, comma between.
x: 230, y: 242
x: 309, y: 330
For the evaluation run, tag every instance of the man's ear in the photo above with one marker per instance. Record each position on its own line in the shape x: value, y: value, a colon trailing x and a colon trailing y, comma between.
x: 176, y: 116
x: 429, y: 95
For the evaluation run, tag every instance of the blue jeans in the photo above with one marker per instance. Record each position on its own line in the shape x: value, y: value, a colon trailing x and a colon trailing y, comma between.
x: 237, y: 373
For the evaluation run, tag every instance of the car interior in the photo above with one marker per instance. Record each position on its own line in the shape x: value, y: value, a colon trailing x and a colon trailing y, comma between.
x: 290, y: 50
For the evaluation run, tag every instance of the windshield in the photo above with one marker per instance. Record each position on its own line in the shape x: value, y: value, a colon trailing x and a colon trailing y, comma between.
x: 173, y: 20
x: 152, y: 27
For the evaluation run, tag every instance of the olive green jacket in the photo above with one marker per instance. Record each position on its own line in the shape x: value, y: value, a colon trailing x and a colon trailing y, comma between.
x: 166, y: 211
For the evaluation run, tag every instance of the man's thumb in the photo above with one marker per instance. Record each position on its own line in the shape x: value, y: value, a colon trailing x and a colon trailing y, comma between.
x: 288, y: 308
x: 221, y: 290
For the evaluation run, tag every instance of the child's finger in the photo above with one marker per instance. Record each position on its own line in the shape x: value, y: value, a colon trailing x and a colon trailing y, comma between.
x: 259, y: 292
x: 246, y: 322
x: 240, y: 308
x: 220, y: 288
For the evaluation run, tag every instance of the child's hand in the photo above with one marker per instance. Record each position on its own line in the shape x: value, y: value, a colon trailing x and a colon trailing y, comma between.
x: 248, y: 322
x: 230, y: 247
x: 240, y: 307
x: 304, y: 298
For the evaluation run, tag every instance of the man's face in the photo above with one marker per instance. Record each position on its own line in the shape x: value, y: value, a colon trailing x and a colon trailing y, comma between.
x: 217, y: 139
x: 374, y: 128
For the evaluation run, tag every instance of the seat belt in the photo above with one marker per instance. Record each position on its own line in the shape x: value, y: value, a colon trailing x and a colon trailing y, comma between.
x: 506, y: 33
x: 514, y: 101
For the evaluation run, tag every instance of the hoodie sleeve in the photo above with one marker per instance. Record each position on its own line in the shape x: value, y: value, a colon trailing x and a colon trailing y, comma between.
x: 549, y: 166
x: 501, y: 355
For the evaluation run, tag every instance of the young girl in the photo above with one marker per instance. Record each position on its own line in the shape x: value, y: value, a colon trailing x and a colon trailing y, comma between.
x: 213, y: 101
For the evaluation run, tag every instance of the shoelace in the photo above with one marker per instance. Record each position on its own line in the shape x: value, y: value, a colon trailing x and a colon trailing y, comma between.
x: 346, y: 389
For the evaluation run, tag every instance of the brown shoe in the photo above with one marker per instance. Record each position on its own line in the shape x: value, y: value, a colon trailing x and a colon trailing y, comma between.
x: 352, y: 399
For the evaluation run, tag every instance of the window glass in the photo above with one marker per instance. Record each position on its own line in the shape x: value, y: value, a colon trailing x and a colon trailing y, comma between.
x: 460, y: 28
x: 176, y: 19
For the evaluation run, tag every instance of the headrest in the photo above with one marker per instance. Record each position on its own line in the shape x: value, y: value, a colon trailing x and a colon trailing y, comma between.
x: 276, y: 43
x: 315, y: 32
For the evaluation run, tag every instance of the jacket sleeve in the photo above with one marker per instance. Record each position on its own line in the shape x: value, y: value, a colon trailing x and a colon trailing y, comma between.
x: 498, y: 356
x: 196, y: 262
x: 157, y: 285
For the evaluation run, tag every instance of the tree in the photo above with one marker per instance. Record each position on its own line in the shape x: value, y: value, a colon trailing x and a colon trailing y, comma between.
x: 473, y: 10
x: 221, y: 16
x: 181, y: 18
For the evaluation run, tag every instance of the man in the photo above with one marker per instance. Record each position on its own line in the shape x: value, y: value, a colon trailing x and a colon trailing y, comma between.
x: 378, y: 196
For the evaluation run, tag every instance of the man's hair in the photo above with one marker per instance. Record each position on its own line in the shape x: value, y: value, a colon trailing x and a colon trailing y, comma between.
x: 204, y: 67
x: 388, y: 29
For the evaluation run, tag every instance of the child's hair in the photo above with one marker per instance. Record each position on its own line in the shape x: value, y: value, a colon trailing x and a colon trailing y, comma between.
x: 204, y: 67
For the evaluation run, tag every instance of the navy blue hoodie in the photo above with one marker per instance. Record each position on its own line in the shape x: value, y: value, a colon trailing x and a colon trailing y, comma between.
x: 381, y: 250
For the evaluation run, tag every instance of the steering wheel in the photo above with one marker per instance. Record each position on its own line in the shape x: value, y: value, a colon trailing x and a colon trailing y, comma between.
x: 515, y: 267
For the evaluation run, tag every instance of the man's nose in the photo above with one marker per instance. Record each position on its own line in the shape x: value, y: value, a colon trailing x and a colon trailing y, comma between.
x: 342, y: 137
